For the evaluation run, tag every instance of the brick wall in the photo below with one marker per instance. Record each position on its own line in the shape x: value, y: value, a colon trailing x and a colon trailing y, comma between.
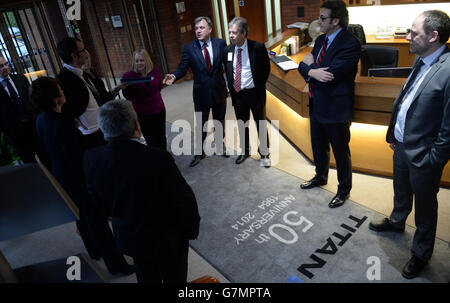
x: 289, y: 11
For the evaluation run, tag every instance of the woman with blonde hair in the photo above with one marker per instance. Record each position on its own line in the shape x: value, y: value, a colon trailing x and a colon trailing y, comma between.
x: 146, y: 98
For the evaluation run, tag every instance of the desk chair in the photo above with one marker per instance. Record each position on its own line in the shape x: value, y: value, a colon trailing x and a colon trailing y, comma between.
x: 358, y: 31
x: 381, y: 56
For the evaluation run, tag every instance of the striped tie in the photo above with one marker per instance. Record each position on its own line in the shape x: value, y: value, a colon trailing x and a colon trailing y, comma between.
x: 319, y: 61
x: 237, y: 75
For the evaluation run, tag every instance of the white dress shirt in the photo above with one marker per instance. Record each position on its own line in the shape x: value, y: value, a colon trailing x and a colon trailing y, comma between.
x: 409, y: 96
x: 209, y: 48
x: 89, y: 117
x: 246, y: 69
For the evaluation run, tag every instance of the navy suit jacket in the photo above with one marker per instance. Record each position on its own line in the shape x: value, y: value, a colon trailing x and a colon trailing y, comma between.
x: 9, y: 115
x: 143, y: 191
x: 209, y: 87
x: 259, y: 64
x: 76, y: 92
x: 333, y: 101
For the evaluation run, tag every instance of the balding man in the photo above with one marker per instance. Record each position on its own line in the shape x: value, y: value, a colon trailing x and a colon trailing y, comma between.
x: 419, y: 134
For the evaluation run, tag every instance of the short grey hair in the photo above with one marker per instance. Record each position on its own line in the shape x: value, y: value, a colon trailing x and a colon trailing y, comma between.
x: 117, y: 119
x: 207, y: 20
x: 439, y: 21
x: 241, y: 23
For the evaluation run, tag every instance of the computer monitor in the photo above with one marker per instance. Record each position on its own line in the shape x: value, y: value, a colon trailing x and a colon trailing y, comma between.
x: 391, y: 72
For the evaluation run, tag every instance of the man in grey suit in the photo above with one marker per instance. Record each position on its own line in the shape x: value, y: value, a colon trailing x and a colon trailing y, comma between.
x: 419, y: 134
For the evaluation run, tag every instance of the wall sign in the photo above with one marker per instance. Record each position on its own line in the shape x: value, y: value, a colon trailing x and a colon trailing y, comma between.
x: 116, y: 21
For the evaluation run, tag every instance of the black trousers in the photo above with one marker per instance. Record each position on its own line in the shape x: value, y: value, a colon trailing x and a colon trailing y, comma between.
x: 218, y: 108
x: 422, y: 184
x: 338, y: 135
x: 168, y: 264
x: 244, y: 102
x: 153, y: 129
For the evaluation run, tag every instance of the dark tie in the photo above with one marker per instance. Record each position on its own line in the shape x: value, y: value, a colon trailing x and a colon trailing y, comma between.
x: 207, y: 57
x: 237, y: 75
x: 93, y: 89
x: 14, y: 97
x: 319, y: 61
x: 411, y: 81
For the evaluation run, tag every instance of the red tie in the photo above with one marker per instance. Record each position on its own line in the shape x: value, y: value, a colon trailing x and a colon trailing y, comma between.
x: 207, y: 57
x: 319, y: 60
x: 237, y: 76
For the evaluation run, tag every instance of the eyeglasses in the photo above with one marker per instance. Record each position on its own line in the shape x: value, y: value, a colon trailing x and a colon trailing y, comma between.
x: 323, y: 18
x: 4, y: 64
x: 79, y: 52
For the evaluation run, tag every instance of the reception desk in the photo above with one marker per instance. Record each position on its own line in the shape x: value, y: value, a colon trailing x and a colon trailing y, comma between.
x: 288, y: 102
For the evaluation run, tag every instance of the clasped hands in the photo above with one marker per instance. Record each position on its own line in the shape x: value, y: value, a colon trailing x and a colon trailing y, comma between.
x: 320, y: 74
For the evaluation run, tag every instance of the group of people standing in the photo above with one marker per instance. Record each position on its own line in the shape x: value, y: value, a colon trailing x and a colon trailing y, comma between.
x: 419, y: 129
x: 93, y: 148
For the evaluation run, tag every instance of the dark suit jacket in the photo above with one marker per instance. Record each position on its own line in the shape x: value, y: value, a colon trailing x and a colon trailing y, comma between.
x: 427, y: 125
x: 76, y: 92
x: 65, y: 146
x: 105, y: 95
x: 144, y: 193
x: 259, y: 63
x: 333, y: 101
x: 209, y: 87
x: 9, y: 115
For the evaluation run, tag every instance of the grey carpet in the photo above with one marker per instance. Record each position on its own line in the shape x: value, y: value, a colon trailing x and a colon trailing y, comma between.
x: 235, y: 229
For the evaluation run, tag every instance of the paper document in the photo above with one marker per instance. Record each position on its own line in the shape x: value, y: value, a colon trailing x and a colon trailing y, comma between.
x: 287, y: 65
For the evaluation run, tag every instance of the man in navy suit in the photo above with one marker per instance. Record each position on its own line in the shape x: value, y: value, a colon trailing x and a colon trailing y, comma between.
x: 204, y: 57
x: 17, y: 115
x: 330, y: 71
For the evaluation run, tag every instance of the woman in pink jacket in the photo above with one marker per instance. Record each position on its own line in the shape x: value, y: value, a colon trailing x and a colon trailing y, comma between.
x: 146, y: 99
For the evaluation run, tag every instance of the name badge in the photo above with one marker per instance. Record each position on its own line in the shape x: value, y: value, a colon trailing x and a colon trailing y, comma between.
x: 230, y: 56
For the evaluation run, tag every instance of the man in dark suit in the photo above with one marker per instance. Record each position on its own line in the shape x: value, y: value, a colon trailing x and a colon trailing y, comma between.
x: 419, y: 134
x: 204, y: 57
x: 154, y: 211
x: 247, y: 68
x: 330, y: 71
x: 17, y: 115
x: 83, y: 99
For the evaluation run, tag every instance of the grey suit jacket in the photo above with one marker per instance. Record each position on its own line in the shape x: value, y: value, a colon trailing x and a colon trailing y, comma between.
x: 427, y: 126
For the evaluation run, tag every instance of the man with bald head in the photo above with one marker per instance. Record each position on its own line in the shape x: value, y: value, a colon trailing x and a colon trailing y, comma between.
x: 419, y: 134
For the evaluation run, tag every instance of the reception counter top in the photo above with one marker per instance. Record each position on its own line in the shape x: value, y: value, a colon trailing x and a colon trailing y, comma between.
x: 288, y: 102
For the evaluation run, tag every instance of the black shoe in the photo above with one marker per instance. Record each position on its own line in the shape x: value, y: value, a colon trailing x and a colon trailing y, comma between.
x: 413, y: 268
x: 338, y: 200
x: 196, y: 160
x: 312, y: 183
x: 241, y: 158
x: 385, y: 225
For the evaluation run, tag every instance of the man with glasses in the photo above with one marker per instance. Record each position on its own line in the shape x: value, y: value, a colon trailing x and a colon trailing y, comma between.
x: 82, y: 98
x: 330, y: 71
x: 17, y: 116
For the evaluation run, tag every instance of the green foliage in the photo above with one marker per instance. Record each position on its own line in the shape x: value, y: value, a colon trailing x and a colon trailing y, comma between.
x: 7, y: 154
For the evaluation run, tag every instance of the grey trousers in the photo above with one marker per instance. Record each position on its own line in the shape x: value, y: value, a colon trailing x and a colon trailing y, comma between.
x: 422, y: 184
